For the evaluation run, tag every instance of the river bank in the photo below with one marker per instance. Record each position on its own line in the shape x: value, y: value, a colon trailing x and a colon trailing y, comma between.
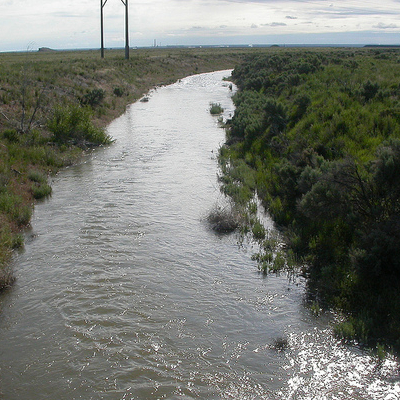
x: 55, y: 105
x: 316, y: 135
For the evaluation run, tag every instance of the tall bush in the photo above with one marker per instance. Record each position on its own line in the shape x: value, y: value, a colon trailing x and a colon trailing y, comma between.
x: 72, y: 124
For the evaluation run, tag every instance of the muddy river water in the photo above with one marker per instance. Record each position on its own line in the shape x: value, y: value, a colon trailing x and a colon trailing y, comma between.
x: 124, y: 292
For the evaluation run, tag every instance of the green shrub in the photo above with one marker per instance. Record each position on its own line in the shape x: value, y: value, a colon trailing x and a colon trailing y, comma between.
x: 73, y: 124
x: 353, y: 329
x: 216, y: 109
x: 258, y: 231
x: 93, y: 98
x: 118, y: 91
x: 369, y: 90
x: 345, y: 330
x: 36, y: 176
x: 279, y: 262
x: 40, y: 191
x: 13, y: 206
x: 11, y: 135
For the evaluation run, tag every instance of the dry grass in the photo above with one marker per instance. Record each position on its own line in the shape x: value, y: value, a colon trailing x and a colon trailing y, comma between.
x: 224, y: 219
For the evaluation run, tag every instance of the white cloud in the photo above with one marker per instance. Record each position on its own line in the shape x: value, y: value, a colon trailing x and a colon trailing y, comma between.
x: 275, y: 24
x: 382, y: 25
x: 77, y: 23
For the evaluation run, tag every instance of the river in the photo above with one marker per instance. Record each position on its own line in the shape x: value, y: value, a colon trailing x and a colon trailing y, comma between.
x: 124, y: 292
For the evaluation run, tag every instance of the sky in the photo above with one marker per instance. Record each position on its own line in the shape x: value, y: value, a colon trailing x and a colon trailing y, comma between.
x: 74, y: 24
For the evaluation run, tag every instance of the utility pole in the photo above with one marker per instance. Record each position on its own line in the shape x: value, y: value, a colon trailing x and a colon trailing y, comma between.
x: 125, y: 3
x: 102, y: 4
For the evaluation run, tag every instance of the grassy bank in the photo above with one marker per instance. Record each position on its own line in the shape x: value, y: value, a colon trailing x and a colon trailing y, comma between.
x: 316, y: 133
x: 54, y: 105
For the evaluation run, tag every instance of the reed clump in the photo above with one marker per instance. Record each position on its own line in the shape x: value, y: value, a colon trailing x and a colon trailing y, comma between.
x: 224, y: 219
x: 216, y: 109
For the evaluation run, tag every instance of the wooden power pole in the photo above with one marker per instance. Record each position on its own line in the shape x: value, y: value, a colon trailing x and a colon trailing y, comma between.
x: 102, y: 4
x: 125, y: 3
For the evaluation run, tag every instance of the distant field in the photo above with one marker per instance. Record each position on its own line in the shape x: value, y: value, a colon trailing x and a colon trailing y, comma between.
x: 66, y: 76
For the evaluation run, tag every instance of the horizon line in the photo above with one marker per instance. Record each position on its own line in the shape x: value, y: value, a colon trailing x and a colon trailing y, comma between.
x: 250, y: 45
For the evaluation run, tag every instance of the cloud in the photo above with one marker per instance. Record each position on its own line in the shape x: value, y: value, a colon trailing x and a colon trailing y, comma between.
x: 275, y: 24
x: 381, y: 25
x: 64, y: 14
x: 53, y: 24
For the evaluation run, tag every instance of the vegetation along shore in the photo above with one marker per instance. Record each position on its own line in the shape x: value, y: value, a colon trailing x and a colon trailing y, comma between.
x: 55, y: 104
x: 316, y: 134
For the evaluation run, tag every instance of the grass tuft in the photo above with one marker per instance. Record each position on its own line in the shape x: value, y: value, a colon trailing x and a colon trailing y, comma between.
x: 224, y: 219
x: 216, y: 109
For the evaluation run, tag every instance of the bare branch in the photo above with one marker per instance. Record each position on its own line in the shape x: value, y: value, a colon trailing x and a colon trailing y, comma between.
x: 37, y: 106
x: 4, y: 115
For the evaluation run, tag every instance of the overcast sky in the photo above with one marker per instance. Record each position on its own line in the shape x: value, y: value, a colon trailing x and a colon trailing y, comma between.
x: 76, y: 23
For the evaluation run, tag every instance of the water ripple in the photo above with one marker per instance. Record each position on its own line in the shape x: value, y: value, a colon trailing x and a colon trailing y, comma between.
x: 125, y: 293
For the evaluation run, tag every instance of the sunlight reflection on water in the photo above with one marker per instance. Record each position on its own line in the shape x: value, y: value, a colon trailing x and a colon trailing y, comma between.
x: 321, y: 367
